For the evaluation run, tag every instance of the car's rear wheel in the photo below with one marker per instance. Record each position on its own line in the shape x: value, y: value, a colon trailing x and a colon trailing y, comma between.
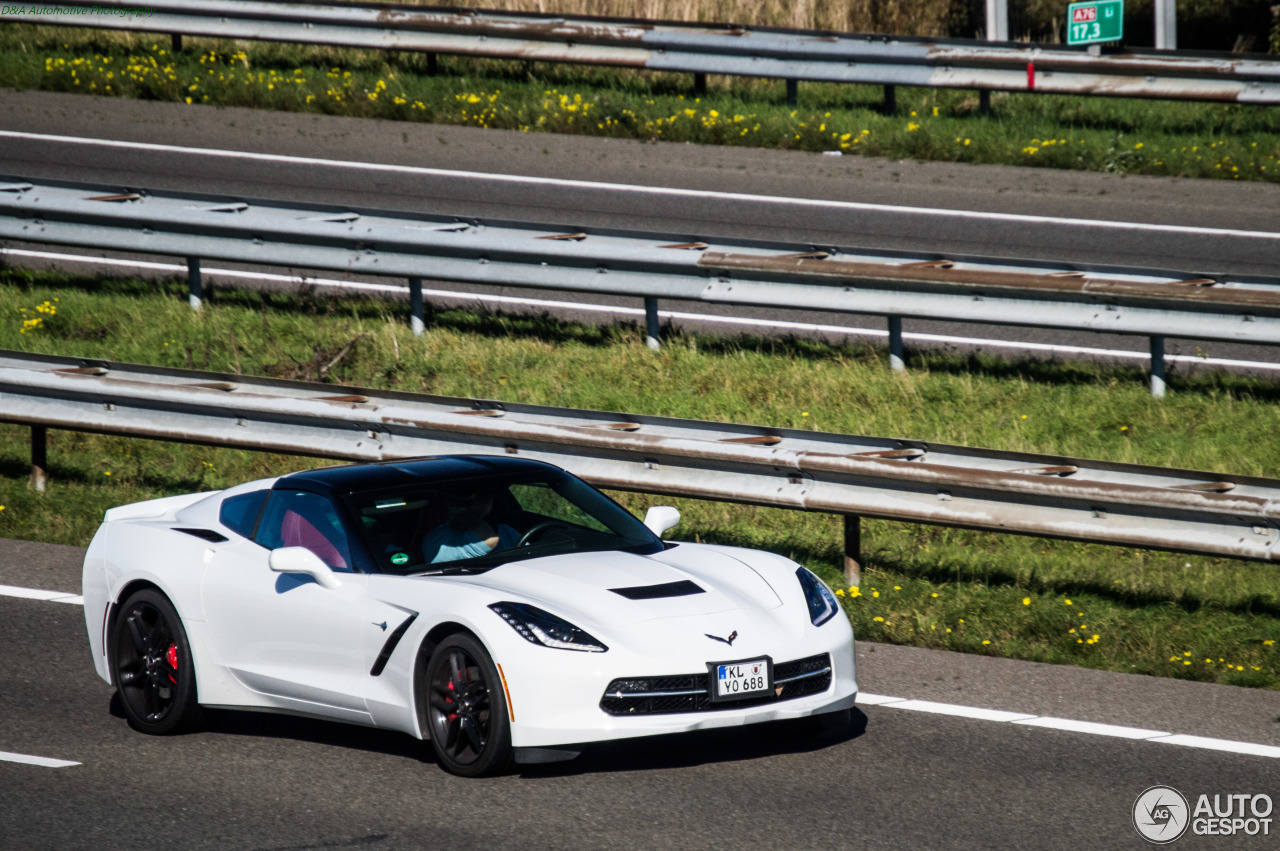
x: 151, y: 665
x: 467, y: 709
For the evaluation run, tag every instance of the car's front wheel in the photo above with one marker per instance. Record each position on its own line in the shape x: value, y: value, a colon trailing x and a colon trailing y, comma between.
x: 152, y: 667
x: 467, y: 709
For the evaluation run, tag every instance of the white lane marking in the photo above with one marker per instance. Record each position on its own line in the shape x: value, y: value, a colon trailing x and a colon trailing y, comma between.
x: 1223, y: 745
x: 1092, y: 728
x: 877, y: 699
x: 43, y: 761
x: 961, y: 711
x: 647, y: 190
x: 1088, y: 727
x: 38, y: 594
x: 738, y: 321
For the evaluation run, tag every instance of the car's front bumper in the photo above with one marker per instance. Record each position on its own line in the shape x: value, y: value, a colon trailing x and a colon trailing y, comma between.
x: 555, y: 695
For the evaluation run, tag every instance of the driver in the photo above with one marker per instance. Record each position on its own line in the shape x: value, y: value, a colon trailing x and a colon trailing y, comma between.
x: 467, y: 534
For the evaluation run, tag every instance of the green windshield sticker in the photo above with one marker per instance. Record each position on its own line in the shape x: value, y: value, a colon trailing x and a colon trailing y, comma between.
x: 400, y: 558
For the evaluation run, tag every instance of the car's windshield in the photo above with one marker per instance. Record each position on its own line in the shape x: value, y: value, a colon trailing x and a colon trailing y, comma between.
x: 479, y: 523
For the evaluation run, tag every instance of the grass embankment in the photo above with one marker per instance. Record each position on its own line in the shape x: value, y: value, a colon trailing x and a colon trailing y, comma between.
x: 1124, y: 136
x: 1121, y: 609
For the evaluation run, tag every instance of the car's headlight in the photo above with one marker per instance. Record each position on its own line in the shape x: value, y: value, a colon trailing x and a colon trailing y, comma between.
x: 822, y: 603
x: 539, y: 627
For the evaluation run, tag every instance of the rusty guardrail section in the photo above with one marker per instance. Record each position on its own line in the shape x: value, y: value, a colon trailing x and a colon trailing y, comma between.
x: 1082, y: 297
x: 1079, y: 296
x: 896, y: 479
x: 944, y: 274
x: 729, y: 49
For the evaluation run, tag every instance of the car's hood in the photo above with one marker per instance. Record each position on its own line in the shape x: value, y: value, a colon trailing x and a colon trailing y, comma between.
x: 584, y: 582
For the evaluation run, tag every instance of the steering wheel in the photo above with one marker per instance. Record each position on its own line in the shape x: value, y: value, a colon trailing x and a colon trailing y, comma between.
x: 537, y: 529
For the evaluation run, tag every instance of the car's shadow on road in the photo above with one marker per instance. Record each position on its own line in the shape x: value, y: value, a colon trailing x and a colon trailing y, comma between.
x: 684, y: 750
x: 231, y: 722
x: 677, y: 750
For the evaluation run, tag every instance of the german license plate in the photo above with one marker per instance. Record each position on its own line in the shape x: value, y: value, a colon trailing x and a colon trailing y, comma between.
x: 738, y: 680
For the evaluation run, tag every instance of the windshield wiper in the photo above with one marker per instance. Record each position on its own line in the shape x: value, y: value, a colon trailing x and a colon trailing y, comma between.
x: 453, y: 570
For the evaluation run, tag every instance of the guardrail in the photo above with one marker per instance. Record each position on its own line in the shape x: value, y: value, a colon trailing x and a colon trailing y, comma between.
x: 729, y: 49
x: 1149, y: 302
x: 851, y: 475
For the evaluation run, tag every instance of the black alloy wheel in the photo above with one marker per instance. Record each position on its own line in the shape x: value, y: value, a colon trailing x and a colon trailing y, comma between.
x: 151, y: 665
x: 467, y: 709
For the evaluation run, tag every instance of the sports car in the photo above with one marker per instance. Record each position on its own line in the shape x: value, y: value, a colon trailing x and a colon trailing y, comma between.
x: 501, y: 608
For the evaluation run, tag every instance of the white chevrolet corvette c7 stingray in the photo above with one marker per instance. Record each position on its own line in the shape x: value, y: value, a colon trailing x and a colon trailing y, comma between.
x: 501, y: 608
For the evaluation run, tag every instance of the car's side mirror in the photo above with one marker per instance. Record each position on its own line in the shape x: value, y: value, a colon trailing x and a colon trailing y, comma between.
x: 302, y: 560
x: 661, y: 518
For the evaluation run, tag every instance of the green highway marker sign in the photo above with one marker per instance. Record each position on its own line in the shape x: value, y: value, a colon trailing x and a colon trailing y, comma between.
x: 1095, y: 21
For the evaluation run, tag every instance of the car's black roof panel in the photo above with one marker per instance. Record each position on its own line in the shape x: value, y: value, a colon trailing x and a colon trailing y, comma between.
x: 392, y: 474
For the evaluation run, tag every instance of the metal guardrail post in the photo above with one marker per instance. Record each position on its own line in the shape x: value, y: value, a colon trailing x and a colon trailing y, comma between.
x: 699, y: 84
x: 984, y: 102
x: 890, y: 100
x: 852, y: 549
x: 416, y: 321
x: 652, y: 327
x: 195, y: 284
x: 433, y: 65
x: 793, y: 92
x: 176, y: 43
x: 39, y: 457
x: 896, y: 361
x: 1157, y: 367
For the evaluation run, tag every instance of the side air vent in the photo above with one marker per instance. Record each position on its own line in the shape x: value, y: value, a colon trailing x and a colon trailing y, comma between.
x: 387, y: 649
x: 206, y: 534
x: 683, y: 588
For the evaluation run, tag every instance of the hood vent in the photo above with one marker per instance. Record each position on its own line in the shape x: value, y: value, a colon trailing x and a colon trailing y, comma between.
x: 683, y: 588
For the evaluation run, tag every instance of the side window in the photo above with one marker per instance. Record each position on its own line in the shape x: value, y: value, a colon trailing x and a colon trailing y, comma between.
x: 301, y: 519
x: 240, y: 513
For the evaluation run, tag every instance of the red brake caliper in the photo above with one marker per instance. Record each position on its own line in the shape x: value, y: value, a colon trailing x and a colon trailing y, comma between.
x: 453, y: 715
x: 171, y: 656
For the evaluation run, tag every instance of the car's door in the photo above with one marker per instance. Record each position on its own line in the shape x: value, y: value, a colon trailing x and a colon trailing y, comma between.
x: 283, y: 634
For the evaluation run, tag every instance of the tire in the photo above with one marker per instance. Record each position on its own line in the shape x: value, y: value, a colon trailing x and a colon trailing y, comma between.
x: 151, y: 665
x: 467, y: 709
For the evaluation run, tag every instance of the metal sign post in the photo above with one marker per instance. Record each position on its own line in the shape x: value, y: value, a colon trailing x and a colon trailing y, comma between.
x: 1166, y: 25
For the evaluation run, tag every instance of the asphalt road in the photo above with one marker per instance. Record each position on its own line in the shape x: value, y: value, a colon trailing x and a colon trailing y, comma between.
x: 1055, y: 194
x: 897, y: 779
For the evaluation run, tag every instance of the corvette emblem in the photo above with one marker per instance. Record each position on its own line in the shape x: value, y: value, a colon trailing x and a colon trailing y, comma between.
x: 382, y: 626
x: 729, y: 641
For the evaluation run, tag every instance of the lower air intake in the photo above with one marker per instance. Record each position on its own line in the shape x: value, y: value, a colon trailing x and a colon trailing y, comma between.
x: 692, y: 692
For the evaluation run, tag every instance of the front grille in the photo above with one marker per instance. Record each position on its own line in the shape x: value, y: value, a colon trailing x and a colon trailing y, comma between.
x: 692, y: 692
